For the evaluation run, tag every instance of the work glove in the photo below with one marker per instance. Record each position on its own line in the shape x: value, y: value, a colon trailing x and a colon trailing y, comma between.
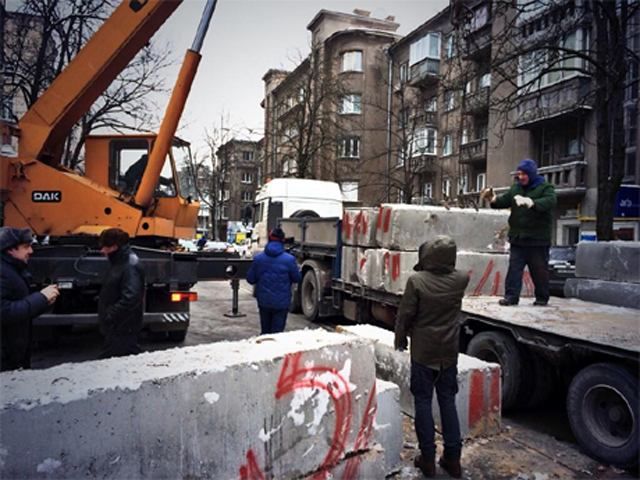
x: 488, y: 194
x: 523, y: 201
x: 400, y: 343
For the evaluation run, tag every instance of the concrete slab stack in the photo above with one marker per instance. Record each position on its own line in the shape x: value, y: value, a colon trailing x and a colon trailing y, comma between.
x: 281, y: 406
x: 398, y: 267
x: 406, y: 227
x: 478, y: 401
x: 365, y: 227
x: 349, y: 266
x: 371, y: 267
x: 349, y: 218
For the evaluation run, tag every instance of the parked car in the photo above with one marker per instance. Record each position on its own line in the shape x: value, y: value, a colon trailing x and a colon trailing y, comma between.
x: 562, y: 265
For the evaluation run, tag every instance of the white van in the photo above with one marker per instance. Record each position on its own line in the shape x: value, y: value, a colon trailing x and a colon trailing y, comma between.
x: 290, y: 198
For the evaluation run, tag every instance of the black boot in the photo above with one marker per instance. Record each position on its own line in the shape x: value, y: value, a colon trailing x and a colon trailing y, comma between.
x: 428, y: 468
x: 451, y: 466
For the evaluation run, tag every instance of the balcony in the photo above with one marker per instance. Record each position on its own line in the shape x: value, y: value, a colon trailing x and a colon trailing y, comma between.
x: 478, y: 102
x: 568, y: 178
x: 477, y: 44
x: 474, y: 152
x: 551, y: 103
x: 425, y: 73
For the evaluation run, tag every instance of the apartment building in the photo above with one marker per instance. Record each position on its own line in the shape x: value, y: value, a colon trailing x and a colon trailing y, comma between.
x: 327, y: 118
x: 238, y: 160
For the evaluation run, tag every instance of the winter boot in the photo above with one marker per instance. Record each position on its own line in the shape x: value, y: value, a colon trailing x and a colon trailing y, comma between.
x: 428, y: 468
x: 451, y: 466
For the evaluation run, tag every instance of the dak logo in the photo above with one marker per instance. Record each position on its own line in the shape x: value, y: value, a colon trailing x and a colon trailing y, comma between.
x: 46, y: 196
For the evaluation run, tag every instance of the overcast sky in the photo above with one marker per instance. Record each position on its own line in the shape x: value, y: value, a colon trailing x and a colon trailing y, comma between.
x: 248, y: 37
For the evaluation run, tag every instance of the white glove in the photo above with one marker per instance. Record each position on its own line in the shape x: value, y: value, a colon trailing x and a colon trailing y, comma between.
x: 51, y: 293
x: 523, y: 201
x: 488, y: 194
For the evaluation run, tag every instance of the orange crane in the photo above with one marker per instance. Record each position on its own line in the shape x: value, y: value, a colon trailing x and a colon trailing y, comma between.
x: 129, y: 181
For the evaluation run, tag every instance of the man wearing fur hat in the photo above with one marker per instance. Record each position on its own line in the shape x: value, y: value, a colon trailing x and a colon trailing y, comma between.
x: 531, y: 199
x: 273, y: 272
x: 18, y: 306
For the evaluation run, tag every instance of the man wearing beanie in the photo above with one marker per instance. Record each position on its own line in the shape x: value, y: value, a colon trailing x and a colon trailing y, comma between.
x: 531, y: 200
x: 18, y: 307
x: 273, y: 272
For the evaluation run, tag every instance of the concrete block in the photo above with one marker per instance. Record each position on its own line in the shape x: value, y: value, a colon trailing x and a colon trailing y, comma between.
x: 366, y: 227
x: 371, y: 272
x: 487, y: 273
x: 368, y: 464
x: 350, y: 264
x: 620, y: 294
x: 478, y: 401
x: 349, y: 217
x: 279, y: 406
x: 616, y: 261
x: 397, y: 268
x: 388, y: 423
x: 405, y: 227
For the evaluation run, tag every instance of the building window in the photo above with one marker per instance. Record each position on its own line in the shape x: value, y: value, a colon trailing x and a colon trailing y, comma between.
x: 480, y: 17
x: 351, y: 104
x: 446, y: 187
x: 447, y: 145
x: 349, y: 191
x: 247, y: 196
x: 400, y: 196
x: 450, y: 47
x: 403, y: 72
x: 431, y: 105
x: 449, y: 101
x: 247, y: 156
x: 350, y: 147
x: 424, y: 142
x: 630, y: 165
x: 352, y: 61
x: 481, y: 181
x: 485, y: 80
x: 426, y: 47
x: 468, y: 87
x: 631, y: 125
x: 427, y: 190
x: 247, y: 177
x: 463, y: 184
x: 225, y: 211
x: 465, y: 136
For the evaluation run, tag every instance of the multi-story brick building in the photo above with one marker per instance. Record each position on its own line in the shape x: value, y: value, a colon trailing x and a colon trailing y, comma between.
x: 327, y: 118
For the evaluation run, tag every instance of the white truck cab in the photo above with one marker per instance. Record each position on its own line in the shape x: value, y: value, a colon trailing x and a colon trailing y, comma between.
x: 291, y: 198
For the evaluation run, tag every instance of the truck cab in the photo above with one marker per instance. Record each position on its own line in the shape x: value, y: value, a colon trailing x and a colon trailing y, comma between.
x: 293, y: 198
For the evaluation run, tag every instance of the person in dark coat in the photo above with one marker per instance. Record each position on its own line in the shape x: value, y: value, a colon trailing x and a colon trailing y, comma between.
x: 121, y: 301
x: 532, y: 200
x: 428, y: 313
x: 273, y: 272
x: 18, y: 307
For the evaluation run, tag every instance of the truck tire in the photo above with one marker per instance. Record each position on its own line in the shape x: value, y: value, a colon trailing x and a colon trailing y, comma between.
x: 295, y: 306
x: 500, y: 348
x: 602, y: 405
x: 304, y: 214
x: 309, y: 295
x: 177, y: 336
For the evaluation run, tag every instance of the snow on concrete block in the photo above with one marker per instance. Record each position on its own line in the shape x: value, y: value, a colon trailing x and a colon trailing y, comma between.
x: 406, y: 227
x: 397, y: 268
x: 478, y: 401
x: 287, y: 404
x: 350, y: 264
x: 366, y: 227
x: 616, y: 261
x: 487, y: 273
x: 388, y: 423
x: 620, y: 294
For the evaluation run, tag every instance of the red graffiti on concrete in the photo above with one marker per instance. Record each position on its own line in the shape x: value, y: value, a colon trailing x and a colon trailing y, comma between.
x: 364, y: 434
x: 395, y: 267
x: 346, y: 225
x: 485, y: 276
x: 251, y: 471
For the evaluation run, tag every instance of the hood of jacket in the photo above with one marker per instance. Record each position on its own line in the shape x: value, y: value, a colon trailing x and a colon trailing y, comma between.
x: 438, y: 256
x: 529, y: 167
x: 274, y: 248
x: 121, y: 255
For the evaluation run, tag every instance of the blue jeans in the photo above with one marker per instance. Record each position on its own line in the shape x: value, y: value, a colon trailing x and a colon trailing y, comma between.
x: 272, y: 320
x: 423, y: 379
x: 537, y: 259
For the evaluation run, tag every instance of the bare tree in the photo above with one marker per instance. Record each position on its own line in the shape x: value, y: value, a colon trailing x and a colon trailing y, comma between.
x: 541, y: 42
x: 56, y: 30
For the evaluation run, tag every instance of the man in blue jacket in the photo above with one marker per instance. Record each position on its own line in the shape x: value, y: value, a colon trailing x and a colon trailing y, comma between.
x: 18, y: 306
x: 273, y: 272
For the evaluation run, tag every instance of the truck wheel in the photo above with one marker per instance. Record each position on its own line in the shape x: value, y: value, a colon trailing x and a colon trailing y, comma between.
x: 500, y: 348
x: 309, y: 295
x: 177, y: 336
x: 295, y: 306
x: 602, y: 405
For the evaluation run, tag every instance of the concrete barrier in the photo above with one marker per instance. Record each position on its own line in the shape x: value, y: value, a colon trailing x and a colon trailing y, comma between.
x: 398, y: 267
x: 487, y: 273
x: 405, y: 227
x: 349, y: 217
x: 615, y: 261
x: 388, y: 423
x: 619, y: 294
x: 478, y: 401
x: 280, y: 406
x: 366, y: 227
x: 350, y: 266
x: 371, y: 268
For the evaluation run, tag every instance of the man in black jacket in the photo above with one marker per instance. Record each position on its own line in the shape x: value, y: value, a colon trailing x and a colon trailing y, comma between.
x: 18, y: 306
x: 120, y: 307
x: 428, y: 313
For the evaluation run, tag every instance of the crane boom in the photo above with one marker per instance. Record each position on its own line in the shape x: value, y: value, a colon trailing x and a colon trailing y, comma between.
x: 48, y: 122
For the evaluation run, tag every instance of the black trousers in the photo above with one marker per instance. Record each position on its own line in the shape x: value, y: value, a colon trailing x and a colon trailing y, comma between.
x: 537, y: 259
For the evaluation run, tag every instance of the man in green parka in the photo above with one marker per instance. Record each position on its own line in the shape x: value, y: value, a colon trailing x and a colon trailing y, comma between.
x: 531, y: 200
